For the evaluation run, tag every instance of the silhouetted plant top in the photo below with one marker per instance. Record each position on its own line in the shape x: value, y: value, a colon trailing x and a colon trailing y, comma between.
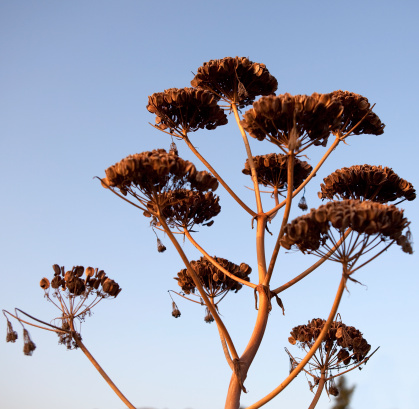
x: 214, y: 281
x: 344, y: 341
x: 355, y: 108
x: 155, y: 172
x: 366, y: 182
x: 310, y: 231
x: 95, y: 283
x: 185, y: 208
x: 272, y: 170
x: 235, y: 79
x: 294, y: 120
x: 186, y: 109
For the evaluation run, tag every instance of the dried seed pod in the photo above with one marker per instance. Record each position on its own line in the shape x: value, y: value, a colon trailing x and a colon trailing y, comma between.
x: 208, y: 316
x: 44, y: 283
x: 302, y: 204
x: 28, y: 345
x: 90, y: 271
x: 161, y: 248
x: 11, y: 335
x: 57, y: 270
x: 175, y: 310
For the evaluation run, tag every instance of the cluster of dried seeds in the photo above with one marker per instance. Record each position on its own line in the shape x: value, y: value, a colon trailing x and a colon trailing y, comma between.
x: 235, y: 79
x: 214, y: 281
x: 310, y: 231
x: 11, y: 335
x: 344, y: 342
x: 28, y: 345
x: 291, y: 121
x: 73, y: 282
x: 356, y: 107
x: 272, y: 170
x: 186, y: 109
x: 366, y: 182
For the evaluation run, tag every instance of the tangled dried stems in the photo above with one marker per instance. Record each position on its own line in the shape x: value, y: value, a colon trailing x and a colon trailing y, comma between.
x: 366, y: 182
x: 342, y: 349
x: 272, y: 170
x: 236, y: 80
x: 186, y: 109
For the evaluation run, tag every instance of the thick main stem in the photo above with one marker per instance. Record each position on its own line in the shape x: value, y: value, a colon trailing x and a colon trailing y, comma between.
x: 312, y: 350
x: 319, y: 391
x: 102, y: 372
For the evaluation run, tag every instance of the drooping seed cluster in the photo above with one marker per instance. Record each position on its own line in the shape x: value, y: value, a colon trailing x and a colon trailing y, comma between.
x: 235, y: 79
x: 272, y: 170
x: 11, y: 335
x: 96, y: 282
x: 366, y: 182
x: 185, y: 208
x: 310, y: 231
x: 214, y: 281
x: 355, y: 108
x: 294, y: 120
x: 186, y: 109
x: 344, y: 342
x: 28, y: 345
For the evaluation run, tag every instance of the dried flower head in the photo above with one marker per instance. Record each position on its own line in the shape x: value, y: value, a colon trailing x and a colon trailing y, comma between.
x: 272, y: 170
x: 28, y: 345
x: 186, y: 109
x: 366, y: 182
x: 161, y: 248
x: 214, y: 281
x: 175, y: 310
x: 356, y: 107
x: 369, y: 221
x: 302, y: 204
x: 208, y: 316
x: 235, y: 79
x: 343, y: 348
x: 11, y: 335
x: 294, y: 121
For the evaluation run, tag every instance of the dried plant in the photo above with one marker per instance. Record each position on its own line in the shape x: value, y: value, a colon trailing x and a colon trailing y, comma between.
x: 178, y: 199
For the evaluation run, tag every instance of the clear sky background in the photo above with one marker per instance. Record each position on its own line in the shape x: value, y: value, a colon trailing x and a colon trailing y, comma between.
x: 74, y: 81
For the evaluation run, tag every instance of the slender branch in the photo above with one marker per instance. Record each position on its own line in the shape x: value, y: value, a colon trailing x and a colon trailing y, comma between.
x: 108, y: 380
x: 249, y: 158
x: 198, y: 285
x: 319, y: 391
x: 56, y: 329
x: 219, y: 178
x: 314, y: 266
x: 288, y: 201
x: 312, y: 351
x: 309, y: 177
x: 215, y: 263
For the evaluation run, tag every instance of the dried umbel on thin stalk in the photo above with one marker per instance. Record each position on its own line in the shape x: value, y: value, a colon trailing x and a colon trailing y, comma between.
x: 214, y: 281
x: 356, y: 113
x: 185, y: 208
x: 11, y: 335
x: 293, y: 121
x: 28, y: 345
x: 366, y: 182
x: 186, y: 109
x: 235, y: 79
x: 371, y: 224
x: 343, y: 348
x: 272, y: 170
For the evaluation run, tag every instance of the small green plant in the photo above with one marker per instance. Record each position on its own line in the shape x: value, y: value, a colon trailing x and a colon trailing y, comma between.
x: 178, y: 198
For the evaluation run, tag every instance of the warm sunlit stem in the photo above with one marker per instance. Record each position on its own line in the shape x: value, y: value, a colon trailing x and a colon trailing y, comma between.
x: 314, y: 266
x: 215, y: 263
x: 309, y: 177
x: 310, y: 353
x: 249, y: 158
x: 319, y: 391
x: 219, y: 178
x: 198, y: 285
x: 288, y: 201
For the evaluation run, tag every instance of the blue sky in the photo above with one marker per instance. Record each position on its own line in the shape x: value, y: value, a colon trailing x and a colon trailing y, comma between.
x: 74, y: 82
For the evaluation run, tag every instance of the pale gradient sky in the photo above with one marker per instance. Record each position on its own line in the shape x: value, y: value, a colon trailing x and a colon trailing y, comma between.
x: 74, y: 81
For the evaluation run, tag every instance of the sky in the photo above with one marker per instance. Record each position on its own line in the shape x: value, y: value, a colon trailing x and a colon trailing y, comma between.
x: 74, y: 82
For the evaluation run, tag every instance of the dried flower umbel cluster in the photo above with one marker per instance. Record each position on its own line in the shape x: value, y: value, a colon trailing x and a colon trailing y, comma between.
x: 366, y: 182
x: 235, y: 80
x: 272, y: 170
x: 342, y: 349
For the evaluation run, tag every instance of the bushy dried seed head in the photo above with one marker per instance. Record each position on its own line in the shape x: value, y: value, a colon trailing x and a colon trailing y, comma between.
x: 28, y: 345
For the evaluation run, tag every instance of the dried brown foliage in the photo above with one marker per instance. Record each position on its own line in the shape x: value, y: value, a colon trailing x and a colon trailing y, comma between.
x: 366, y: 182
x: 186, y: 109
x: 356, y: 107
x: 291, y: 121
x: 214, y: 281
x: 310, y: 231
x: 272, y: 170
x: 235, y: 79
